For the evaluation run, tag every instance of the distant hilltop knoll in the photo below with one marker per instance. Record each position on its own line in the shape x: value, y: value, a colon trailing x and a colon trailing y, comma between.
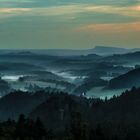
x: 103, y: 50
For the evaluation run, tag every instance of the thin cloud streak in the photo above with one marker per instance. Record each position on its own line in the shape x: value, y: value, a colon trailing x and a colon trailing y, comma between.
x: 132, y: 11
x: 14, y: 10
x: 84, y: 8
x: 6, y: 13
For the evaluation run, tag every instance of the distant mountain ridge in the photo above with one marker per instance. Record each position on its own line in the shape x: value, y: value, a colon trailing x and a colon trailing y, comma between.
x: 99, y: 50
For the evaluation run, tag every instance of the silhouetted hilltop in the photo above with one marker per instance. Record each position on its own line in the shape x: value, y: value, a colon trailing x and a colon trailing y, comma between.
x: 93, y: 111
x: 56, y: 111
x: 132, y: 78
x: 15, y: 103
x: 75, y: 117
x: 4, y: 87
x: 123, y: 108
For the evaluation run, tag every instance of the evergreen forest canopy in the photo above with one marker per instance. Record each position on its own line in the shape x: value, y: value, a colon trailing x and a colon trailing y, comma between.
x: 63, y: 116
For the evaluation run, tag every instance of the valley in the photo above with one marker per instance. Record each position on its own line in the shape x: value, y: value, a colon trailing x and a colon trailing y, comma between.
x: 88, y: 74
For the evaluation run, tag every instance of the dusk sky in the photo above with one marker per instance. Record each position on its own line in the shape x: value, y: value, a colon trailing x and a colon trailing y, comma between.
x: 69, y: 24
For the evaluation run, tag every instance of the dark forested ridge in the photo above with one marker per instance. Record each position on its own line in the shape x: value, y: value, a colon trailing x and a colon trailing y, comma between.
x: 58, y: 116
x: 19, y: 102
x: 126, y: 80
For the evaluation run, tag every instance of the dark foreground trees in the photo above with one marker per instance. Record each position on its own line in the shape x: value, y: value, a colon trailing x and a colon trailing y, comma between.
x: 23, y: 129
x: 82, y: 119
x: 27, y: 129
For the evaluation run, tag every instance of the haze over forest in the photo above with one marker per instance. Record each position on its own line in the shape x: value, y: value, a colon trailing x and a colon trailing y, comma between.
x: 69, y: 70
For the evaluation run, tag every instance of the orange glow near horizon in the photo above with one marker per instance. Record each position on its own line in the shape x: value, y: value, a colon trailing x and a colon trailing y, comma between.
x: 122, y: 27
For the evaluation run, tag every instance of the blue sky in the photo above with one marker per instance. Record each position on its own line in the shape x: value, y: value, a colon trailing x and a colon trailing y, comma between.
x: 69, y: 24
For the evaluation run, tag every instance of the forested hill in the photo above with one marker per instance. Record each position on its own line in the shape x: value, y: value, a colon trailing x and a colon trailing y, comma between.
x: 126, y: 80
x: 73, y: 117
